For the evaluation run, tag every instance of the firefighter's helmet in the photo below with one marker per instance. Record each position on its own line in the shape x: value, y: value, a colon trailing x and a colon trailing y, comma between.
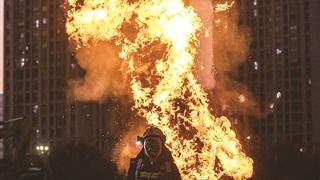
x: 153, y: 131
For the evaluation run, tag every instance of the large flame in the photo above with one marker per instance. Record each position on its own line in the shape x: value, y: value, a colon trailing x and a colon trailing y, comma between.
x: 159, y: 39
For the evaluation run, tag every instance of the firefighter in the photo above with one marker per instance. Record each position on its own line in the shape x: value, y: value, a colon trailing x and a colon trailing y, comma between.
x: 154, y: 160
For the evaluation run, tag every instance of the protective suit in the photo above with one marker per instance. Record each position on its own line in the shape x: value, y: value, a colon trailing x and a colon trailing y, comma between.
x: 154, y: 160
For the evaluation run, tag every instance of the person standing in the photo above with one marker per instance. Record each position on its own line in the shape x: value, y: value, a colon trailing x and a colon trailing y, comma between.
x: 154, y: 161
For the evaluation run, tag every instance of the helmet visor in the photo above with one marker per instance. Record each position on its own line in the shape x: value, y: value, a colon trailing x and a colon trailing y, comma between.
x: 153, y: 147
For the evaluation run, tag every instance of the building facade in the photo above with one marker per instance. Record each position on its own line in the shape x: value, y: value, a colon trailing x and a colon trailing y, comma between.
x: 1, y: 126
x: 37, y: 67
x: 282, y: 70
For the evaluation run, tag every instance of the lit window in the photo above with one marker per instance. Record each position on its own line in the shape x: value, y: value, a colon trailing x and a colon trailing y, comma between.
x: 44, y: 21
x: 278, y: 51
x: 36, y: 61
x: 255, y: 12
x: 37, y: 23
x: 278, y: 95
x: 35, y: 108
x: 301, y: 149
x: 293, y: 27
x: 256, y: 65
x: 271, y: 106
x: 255, y: 2
x: 22, y: 62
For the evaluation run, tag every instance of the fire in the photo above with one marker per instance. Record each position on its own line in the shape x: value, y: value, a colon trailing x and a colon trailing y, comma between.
x: 220, y: 7
x: 159, y: 39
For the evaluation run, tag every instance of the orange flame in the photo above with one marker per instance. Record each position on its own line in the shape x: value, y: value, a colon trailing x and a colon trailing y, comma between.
x: 220, y: 7
x: 159, y: 39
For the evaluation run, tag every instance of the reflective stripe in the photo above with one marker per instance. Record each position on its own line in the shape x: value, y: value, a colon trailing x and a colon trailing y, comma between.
x: 152, y: 175
x: 139, y: 163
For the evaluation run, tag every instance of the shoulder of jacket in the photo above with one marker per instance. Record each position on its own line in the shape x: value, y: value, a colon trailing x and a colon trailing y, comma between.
x: 133, y: 160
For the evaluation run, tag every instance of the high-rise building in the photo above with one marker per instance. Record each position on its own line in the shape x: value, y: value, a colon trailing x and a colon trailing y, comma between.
x: 37, y: 66
x: 283, y: 68
x: 1, y: 126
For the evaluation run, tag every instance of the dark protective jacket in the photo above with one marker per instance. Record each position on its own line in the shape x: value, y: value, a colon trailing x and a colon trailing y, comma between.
x: 163, y: 169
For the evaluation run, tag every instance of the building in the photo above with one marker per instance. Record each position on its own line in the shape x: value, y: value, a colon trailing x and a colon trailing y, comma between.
x: 1, y: 126
x: 37, y: 66
x: 283, y: 70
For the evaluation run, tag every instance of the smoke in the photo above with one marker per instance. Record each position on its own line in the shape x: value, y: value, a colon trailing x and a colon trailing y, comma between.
x: 204, y: 63
x: 104, y: 73
x: 127, y: 147
x: 226, y: 45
